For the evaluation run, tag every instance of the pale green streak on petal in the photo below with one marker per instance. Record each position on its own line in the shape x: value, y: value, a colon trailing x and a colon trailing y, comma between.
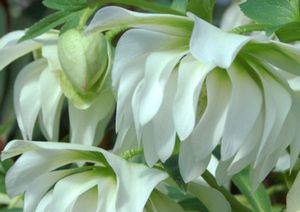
x: 51, y: 103
x: 293, y: 203
x: 112, y: 17
x: 213, y: 46
x: 84, y: 122
x: 187, y: 94
x: 27, y: 96
x: 211, y: 198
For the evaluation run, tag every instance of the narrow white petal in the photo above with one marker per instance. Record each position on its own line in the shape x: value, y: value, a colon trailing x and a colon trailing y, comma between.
x: 113, y: 17
x: 189, y: 165
x: 190, y: 79
x: 134, y: 46
x: 68, y: 190
x: 244, y: 107
x: 163, y: 125
x: 45, y: 203
x: 209, y: 130
x: 87, y: 201
x: 293, y: 203
x: 152, y: 92
x: 27, y: 96
x: 84, y: 122
x: 213, y: 46
x: 135, y: 183
x: 211, y: 198
x: 51, y: 102
x: 148, y: 140
x: 39, y: 187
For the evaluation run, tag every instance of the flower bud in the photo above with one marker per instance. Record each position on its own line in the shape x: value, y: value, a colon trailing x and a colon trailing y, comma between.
x: 84, y: 59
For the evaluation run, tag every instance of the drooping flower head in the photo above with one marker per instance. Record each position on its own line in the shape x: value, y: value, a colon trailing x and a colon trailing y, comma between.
x: 182, y: 76
x: 42, y: 84
x: 47, y: 174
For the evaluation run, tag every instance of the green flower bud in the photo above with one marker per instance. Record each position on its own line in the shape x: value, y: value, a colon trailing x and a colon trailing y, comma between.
x: 86, y: 66
x: 84, y: 59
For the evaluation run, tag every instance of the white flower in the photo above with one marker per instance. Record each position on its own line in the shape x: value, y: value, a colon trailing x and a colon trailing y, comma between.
x: 40, y: 88
x: 166, y: 63
x: 293, y: 204
x: 48, y: 175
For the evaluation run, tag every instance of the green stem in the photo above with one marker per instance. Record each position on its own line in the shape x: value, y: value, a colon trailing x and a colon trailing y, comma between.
x: 88, y: 12
x: 131, y: 153
x: 148, y: 6
x: 235, y: 204
x: 248, y: 28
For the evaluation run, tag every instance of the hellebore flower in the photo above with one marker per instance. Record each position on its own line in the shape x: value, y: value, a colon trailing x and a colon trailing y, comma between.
x: 47, y: 174
x: 181, y: 75
x: 41, y: 85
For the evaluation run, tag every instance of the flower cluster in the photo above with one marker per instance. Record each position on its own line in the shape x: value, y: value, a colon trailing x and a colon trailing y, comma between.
x: 183, y: 89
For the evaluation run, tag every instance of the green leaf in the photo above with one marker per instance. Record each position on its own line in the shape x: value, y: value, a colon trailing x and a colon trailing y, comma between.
x: 11, y: 210
x: 193, y: 204
x: 202, y: 8
x: 270, y: 12
x: 65, y: 4
x: 180, y: 5
x: 171, y: 166
x: 259, y: 199
x: 44, y: 25
x: 289, y: 32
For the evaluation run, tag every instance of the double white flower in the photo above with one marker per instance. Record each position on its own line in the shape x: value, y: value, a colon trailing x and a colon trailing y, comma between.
x: 182, y: 76
x: 105, y: 183
x: 40, y: 88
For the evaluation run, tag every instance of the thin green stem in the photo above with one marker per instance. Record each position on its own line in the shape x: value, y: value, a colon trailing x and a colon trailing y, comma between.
x: 131, y: 153
x: 88, y: 12
x: 148, y: 6
x: 248, y: 28
x: 235, y: 204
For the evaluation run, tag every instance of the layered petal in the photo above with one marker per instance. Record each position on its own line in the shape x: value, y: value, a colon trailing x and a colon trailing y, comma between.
x: 114, y: 17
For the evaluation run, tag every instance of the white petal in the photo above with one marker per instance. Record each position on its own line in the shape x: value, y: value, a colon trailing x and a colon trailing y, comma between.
x: 113, y: 17
x: 213, y: 46
x: 209, y: 130
x: 45, y: 203
x: 190, y: 79
x: 27, y: 96
x: 189, y: 165
x: 277, y: 106
x: 84, y: 122
x: 39, y: 187
x: 293, y: 203
x: 86, y: 202
x: 12, y: 50
x: 152, y: 92
x: 211, y: 198
x: 163, y: 125
x: 68, y: 190
x: 244, y: 108
x: 135, y: 183
x: 51, y: 103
